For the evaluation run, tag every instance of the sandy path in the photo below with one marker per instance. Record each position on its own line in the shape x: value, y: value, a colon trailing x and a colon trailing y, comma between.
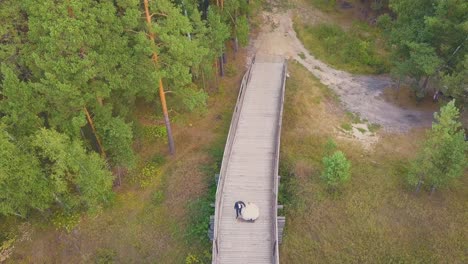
x: 360, y: 94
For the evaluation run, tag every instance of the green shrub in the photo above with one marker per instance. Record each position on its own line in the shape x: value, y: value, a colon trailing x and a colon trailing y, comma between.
x: 155, y: 132
x: 66, y: 221
x: 346, y: 126
x: 158, y: 197
x: 147, y: 175
x: 336, y: 169
x: 330, y: 146
x: 362, y: 130
x: 105, y: 256
x: 302, y: 55
x: 195, y: 259
x: 324, y: 5
x: 373, y: 127
x: 231, y: 70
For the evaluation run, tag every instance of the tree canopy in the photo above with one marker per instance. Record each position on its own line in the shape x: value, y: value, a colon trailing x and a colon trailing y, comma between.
x: 71, y: 74
x: 429, y: 40
x: 443, y: 157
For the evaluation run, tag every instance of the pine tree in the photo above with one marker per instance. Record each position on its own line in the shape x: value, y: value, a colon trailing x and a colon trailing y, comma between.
x: 79, y: 56
x: 20, y: 105
x: 77, y: 179
x: 443, y: 157
x: 22, y: 183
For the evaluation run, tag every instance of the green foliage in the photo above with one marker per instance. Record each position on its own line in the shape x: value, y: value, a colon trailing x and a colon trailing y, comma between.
x: 324, y: 5
x: 336, y: 169
x: 157, y: 197
x: 347, y: 126
x: 20, y: 104
x: 105, y: 256
x: 62, y: 59
x: 78, y: 180
x: 148, y: 174
x: 379, y: 4
x: 195, y: 259
x: 193, y: 98
x: 330, y: 146
x: 373, y: 127
x: 302, y: 55
x: 66, y: 221
x: 177, y: 51
x: 155, y: 132
x: 117, y: 139
x: 351, y: 50
x: 22, y: 183
x: 443, y: 157
x: 218, y: 32
x: 429, y: 41
x: 455, y: 82
x: 12, y: 33
x: 192, y: 259
x: 231, y: 70
x: 243, y: 30
x: 235, y: 14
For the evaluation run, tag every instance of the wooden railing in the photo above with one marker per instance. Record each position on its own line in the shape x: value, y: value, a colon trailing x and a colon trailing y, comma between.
x: 276, y: 166
x: 226, y: 155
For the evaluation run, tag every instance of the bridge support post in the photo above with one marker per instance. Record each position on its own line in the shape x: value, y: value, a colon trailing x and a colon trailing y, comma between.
x: 281, y: 224
x: 211, y: 228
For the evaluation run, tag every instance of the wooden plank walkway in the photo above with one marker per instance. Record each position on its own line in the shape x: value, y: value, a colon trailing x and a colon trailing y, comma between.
x: 250, y: 172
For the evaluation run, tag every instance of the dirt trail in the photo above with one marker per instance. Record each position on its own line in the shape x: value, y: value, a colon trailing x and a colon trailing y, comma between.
x: 360, y: 94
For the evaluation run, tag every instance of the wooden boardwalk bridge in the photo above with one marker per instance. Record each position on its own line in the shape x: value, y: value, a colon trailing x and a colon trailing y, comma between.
x: 249, y: 170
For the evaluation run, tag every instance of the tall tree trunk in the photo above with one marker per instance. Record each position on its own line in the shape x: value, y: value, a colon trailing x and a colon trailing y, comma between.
x: 236, y: 44
x: 426, y: 81
x: 162, y: 95
x: 236, y: 40
x: 93, y: 128
x: 203, y: 79
x: 398, y: 87
x: 170, y: 139
x: 221, y: 66
x: 418, y: 186
x: 216, y: 73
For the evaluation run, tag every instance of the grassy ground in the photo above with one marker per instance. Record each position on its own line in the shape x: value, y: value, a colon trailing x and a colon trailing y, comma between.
x: 354, y: 50
x: 341, y: 37
x: 373, y: 218
x: 162, y: 209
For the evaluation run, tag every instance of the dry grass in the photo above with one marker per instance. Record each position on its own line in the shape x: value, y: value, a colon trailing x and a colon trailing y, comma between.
x: 374, y: 218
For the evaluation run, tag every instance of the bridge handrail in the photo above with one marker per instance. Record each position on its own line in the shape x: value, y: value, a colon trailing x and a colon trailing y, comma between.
x: 226, y: 155
x: 276, y: 166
